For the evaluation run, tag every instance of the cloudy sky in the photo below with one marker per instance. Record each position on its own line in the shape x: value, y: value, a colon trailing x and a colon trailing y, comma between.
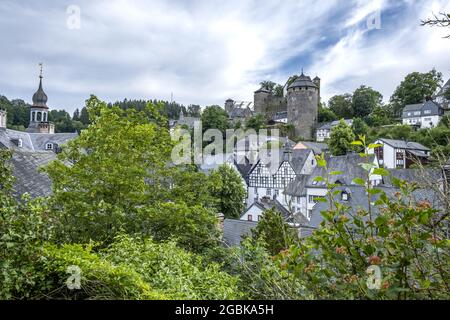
x: 207, y: 51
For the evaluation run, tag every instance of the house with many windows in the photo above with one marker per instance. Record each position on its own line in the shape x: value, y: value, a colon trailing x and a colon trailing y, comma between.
x: 400, y: 154
x: 269, y: 179
x: 305, y: 192
x: 423, y: 115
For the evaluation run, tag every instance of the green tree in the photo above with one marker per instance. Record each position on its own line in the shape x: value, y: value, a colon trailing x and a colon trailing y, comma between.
x: 84, y: 116
x: 214, y: 117
x: 228, y: 190
x: 76, y: 115
x: 274, y: 232
x: 414, y: 89
x: 326, y: 114
x: 341, y: 137
x: 268, y: 85
x: 359, y: 127
x: 256, y: 122
x: 278, y: 90
x: 381, y: 115
x: 341, y: 105
x: 112, y: 162
x: 401, y: 237
x: 365, y: 100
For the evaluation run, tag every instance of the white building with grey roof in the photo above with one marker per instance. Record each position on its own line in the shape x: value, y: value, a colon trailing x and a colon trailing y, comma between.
x: 400, y: 154
x: 423, y: 115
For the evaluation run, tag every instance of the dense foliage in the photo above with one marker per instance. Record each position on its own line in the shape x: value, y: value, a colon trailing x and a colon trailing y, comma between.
x: 228, y: 191
x: 341, y: 137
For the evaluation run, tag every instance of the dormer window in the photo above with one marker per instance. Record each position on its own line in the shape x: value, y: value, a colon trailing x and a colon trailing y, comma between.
x: 20, y: 143
x: 427, y: 112
x: 49, y: 146
x: 344, y: 196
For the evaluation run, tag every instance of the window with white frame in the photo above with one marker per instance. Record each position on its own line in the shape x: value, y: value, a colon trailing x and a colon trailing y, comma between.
x: 427, y: 112
x: 268, y: 192
x: 49, y: 146
x: 20, y: 143
x: 344, y: 196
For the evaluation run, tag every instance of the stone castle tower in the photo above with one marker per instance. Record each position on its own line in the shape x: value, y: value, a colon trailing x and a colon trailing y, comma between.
x: 39, y: 112
x: 303, y: 96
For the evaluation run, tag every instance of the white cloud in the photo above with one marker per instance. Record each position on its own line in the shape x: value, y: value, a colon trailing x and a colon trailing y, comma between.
x: 382, y: 58
x: 206, y: 51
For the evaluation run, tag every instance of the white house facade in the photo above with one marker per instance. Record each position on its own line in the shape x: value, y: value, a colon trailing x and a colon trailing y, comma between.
x: 423, y: 115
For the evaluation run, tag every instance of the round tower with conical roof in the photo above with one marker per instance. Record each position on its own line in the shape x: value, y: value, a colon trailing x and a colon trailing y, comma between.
x: 39, y: 111
x: 303, y: 106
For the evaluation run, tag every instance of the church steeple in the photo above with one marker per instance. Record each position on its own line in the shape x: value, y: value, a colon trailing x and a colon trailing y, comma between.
x: 39, y: 111
x: 39, y: 97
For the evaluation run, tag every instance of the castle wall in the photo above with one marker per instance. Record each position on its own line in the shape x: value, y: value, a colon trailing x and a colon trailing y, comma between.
x: 268, y: 105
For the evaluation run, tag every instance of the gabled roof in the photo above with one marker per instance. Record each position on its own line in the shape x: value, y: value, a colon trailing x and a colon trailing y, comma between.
x: 413, y: 107
x: 296, y: 187
x: 358, y: 200
x: 26, y: 171
x: 348, y: 164
x: 316, y: 147
x: 429, y: 104
x: 33, y: 141
x: 235, y: 230
x: 401, y: 144
x: 420, y: 176
x: 299, y: 157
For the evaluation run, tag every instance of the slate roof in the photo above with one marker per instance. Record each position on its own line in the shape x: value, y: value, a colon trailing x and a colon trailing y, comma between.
x: 358, y: 200
x: 413, y: 107
x: 243, y: 168
x: 299, y: 157
x: 401, y: 144
x: 33, y: 141
x: 296, y: 187
x: 347, y: 164
x: 302, y: 81
x: 420, y: 176
x: 235, y: 230
x: 316, y: 147
x: 262, y: 89
x: 28, y: 178
x: 427, y: 105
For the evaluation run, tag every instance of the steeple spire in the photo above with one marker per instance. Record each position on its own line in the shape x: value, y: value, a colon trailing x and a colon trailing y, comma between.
x: 39, y: 97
